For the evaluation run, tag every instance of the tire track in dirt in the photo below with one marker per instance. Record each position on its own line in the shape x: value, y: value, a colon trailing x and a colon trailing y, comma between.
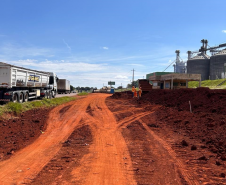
x: 58, y: 170
x: 151, y: 163
x: 108, y: 161
x: 153, y: 160
x: 26, y: 163
x: 128, y: 120
x: 186, y: 175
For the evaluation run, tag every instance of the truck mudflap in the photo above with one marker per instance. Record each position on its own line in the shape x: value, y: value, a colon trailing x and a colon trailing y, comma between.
x: 4, y: 99
x: 1, y: 95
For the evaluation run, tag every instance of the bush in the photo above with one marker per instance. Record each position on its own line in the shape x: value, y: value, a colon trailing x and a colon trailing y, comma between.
x: 36, y: 104
x: 83, y: 94
x: 22, y: 107
x: 15, y: 107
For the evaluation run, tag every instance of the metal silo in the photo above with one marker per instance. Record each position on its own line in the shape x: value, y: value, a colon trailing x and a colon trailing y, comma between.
x: 179, y: 66
x: 199, y: 64
x: 217, y: 65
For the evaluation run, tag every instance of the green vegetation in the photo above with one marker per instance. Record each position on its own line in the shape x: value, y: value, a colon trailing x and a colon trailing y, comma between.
x: 83, y: 94
x: 124, y: 89
x: 22, y: 107
x: 212, y: 84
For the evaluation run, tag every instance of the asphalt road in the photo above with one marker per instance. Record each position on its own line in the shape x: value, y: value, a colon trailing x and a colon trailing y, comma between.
x: 62, y: 95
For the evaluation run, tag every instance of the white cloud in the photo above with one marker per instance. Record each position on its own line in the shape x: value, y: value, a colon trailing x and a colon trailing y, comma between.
x: 93, y: 79
x: 106, y: 48
x: 11, y: 51
x: 224, y: 31
x: 121, y: 77
x: 58, y: 66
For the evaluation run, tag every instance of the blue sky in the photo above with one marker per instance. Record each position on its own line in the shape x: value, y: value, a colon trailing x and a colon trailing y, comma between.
x: 91, y: 42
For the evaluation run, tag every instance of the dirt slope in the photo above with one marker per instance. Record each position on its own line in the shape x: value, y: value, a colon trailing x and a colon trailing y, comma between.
x: 101, y: 140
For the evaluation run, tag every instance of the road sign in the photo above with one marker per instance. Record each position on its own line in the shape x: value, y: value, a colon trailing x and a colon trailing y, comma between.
x: 111, y: 83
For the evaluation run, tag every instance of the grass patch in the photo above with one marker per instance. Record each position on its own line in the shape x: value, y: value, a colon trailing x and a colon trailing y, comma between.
x: 124, y: 89
x: 83, y: 94
x: 212, y: 84
x: 17, y: 108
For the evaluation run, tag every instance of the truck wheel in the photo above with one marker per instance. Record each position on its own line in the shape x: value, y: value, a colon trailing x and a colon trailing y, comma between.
x: 47, y: 95
x: 54, y: 94
x: 14, y: 98
x: 50, y: 95
x: 26, y: 97
x: 21, y: 98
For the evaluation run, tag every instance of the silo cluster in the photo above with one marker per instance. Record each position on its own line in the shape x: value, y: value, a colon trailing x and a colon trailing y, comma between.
x: 217, y: 65
x: 179, y: 66
x: 210, y: 68
x: 200, y: 64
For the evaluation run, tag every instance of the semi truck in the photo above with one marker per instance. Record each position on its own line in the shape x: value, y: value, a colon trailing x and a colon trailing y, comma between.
x: 63, y: 86
x: 18, y: 84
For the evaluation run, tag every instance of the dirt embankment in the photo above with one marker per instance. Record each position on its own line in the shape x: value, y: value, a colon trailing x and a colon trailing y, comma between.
x: 205, y: 124
x: 207, y: 120
x: 122, y: 140
x: 21, y: 131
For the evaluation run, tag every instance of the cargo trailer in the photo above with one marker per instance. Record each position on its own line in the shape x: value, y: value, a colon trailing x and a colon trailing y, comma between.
x: 18, y: 84
x: 63, y: 86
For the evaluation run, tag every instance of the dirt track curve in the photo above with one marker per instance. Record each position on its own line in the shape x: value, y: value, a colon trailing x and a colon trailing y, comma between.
x: 95, y: 141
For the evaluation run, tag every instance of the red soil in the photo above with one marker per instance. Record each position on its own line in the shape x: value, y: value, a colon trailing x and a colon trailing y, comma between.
x: 123, y: 140
x: 19, y: 132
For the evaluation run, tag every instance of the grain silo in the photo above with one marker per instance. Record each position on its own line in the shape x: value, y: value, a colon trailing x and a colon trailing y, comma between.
x: 179, y: 66
x: 199, y: 64
x: 217, y: 65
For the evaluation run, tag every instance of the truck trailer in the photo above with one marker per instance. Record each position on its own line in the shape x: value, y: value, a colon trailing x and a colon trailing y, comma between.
x: 18, y: 84
x: 63, y: 86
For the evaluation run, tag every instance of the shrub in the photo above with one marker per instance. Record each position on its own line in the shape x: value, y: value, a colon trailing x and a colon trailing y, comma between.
x: 83, y: 94
x: 15, y: 107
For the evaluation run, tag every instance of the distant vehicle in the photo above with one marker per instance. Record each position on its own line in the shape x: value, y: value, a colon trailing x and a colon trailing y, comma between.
x: 18, y: 84
x: 63, y: 86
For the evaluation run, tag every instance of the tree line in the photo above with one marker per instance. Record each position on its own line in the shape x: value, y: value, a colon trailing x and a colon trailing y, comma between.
x: 80, y: 89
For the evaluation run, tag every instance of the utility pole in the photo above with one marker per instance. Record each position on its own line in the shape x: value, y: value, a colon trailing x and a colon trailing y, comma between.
x: 133, y: 78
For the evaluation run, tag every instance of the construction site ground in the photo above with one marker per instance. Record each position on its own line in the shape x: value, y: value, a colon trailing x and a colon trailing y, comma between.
x: 165, y: 137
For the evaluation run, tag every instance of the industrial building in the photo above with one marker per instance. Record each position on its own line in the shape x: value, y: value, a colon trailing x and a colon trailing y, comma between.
x: 180, y: 65
x: 200, y: 64
x: 199, y: 67
x: 217, y: 65
x: 210, y: 68
x: 172, y: 80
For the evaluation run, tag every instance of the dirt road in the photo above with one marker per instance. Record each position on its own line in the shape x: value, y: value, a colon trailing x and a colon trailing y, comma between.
x: 99, y: 142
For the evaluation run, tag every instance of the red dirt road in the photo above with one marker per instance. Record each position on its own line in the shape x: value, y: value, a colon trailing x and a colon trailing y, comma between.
x: 105, y: 162
x: 98, y: 140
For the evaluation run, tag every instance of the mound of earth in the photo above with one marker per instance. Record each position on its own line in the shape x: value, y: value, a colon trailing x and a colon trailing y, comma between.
x: 206, y: 122
x: 201, y: 99
x: 124, y: 95
x: 19, y: 132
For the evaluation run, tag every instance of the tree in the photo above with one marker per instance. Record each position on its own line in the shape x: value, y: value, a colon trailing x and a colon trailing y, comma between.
x: 119, y: 87
x: 129, y: 86
x: 71, y: 88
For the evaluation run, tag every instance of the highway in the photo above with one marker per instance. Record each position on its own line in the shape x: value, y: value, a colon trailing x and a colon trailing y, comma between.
x: 62, y: 95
